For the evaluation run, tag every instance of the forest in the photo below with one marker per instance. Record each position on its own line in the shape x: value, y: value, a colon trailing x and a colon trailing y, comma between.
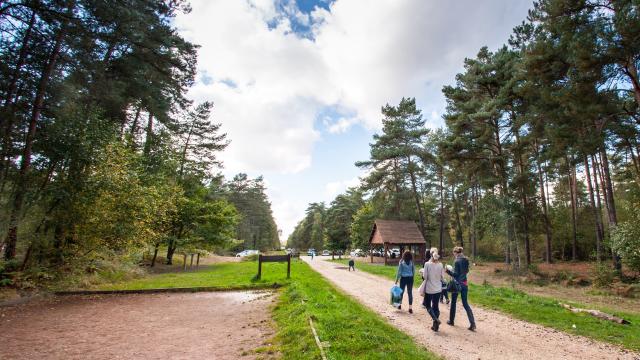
x: 103, y: 156
x: 538, y: 160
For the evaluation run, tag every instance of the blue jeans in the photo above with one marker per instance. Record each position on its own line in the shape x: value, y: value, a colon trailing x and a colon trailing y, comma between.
x: 431, y: 303
x: 463, y: 294
x: 407, y: 281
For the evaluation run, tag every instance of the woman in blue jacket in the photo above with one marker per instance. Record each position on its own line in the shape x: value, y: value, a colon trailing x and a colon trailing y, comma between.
x: 459, y: 274
x: 405, y: 273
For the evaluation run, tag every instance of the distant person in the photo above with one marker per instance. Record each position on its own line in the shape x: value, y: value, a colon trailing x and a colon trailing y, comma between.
x: 444, y: 296
x: 406, y: 271
x: 433, y: 277
x: 312, y: 253
x: 352, y: 265
x: 459, y: 274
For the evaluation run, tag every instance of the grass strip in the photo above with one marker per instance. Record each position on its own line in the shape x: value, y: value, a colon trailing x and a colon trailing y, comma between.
x: 351, y: 330
x: 222, y: 276
x: 541, y: 310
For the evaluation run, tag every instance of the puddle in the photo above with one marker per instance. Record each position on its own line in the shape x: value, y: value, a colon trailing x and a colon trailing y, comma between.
x: 237, y: 296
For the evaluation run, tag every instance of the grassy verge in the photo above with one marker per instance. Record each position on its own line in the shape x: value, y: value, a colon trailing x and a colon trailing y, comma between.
x: 351, y: 330
x: 541, y: 310
x: 225, y: 276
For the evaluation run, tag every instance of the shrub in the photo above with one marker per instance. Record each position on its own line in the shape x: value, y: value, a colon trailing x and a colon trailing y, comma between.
x: 603, y: 275
x: 625, y: 241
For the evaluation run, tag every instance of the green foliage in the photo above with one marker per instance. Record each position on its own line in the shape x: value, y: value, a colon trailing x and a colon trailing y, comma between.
x: 625, y: 241
x: 603, y: 275
x: 256, y: 225
x: 121, y: 207
x: 361, y: 226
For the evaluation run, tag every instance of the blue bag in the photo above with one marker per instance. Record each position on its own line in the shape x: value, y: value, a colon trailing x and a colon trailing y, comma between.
x: 396, y: 296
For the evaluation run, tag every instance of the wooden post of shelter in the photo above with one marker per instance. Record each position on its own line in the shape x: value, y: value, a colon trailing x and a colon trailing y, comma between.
x: 191, y: 263
x: 198, y: 261
x: 184, y: 263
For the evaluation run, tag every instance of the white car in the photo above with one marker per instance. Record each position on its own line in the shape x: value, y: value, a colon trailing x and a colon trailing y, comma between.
x: 247, y: 253
x: 326, y: 253
x: 357, y: 252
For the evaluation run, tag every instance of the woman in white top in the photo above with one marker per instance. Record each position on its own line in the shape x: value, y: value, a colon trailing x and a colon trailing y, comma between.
x: 433, y: 277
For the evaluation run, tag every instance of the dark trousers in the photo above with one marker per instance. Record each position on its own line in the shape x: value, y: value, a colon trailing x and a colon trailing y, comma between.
x: 463, y: 294
x: 431, y: 303
x: 407, y: 282
x: 444, y: 295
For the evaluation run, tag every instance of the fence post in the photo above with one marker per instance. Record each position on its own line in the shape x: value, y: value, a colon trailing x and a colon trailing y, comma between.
x: 288, y: 266
x: 259, y: 266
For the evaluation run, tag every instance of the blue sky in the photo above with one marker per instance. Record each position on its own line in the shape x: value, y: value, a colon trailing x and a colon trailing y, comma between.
x: 298, y: 84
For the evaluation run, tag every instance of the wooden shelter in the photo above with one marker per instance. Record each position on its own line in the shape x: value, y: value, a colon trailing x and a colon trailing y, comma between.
x: 404, y: 234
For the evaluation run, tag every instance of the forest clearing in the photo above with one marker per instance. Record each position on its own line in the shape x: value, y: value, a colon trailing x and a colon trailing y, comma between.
x: 177, y: 178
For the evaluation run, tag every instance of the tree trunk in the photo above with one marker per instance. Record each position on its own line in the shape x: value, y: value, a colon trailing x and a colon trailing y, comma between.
x: 171, y: 249
x: 417, y: 198
x: 474, y: 211
x: 155, y: 255
x: 8, y: 112
x: 149, y: 137
x: 613, y: 217
x: 595, y: 209
x: 597, y: 188
x: 441, y: 239
x: 459, y: 238
x: 25, y: 163
x: 574, y: 242
x: 545, y: 213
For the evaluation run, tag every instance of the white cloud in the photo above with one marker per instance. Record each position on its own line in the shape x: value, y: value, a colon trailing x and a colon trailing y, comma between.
x: 365, y: 54
x: 334, y: 188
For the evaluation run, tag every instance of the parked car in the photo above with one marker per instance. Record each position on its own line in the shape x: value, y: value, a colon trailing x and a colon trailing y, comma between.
x: 357, y: 252
x: 326, y: 253
x: 394, y: 253
x: 244, y: 253
x: 311, y: 251
x: 377, y: 252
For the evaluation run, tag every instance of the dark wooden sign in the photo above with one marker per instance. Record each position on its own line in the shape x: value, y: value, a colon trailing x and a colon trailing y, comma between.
x: 274, y: 258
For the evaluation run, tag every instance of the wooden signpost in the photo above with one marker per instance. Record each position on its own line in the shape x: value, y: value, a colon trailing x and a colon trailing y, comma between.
x: 274, y: 258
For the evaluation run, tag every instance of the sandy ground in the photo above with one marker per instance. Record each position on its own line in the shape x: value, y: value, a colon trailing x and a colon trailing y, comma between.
x: 208, y: 325
x: 498, y: 336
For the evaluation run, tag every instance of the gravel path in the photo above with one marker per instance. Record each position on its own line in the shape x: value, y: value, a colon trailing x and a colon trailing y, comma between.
x: 498, y: 336
x: 206, y: 325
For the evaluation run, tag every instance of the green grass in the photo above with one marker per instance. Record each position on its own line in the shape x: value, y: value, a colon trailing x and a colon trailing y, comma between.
x: 351, y: 330
x: 224, y: 276
x: 541, y: 310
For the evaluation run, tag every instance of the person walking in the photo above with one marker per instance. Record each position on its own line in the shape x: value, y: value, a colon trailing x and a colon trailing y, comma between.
x: 433, y: 277
x: 352, y: 264
x: 459, y: 275
x: 405, y: 273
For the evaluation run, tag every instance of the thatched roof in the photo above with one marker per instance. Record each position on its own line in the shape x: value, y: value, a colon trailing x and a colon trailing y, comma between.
x: 398, y: 232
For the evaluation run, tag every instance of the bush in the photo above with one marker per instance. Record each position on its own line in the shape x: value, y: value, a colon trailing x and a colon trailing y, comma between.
x: 625, y: 241
x: 603, y: 275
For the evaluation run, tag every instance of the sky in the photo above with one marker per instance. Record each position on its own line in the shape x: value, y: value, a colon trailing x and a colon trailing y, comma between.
x: 298, y: 84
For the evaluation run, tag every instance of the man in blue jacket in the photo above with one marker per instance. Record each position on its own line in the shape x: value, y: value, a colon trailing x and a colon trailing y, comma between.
x: 459, y: 274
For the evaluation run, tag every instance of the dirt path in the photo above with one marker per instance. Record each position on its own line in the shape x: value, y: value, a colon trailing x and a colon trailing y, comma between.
x: 208, y: 325
x: 498, y: 336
